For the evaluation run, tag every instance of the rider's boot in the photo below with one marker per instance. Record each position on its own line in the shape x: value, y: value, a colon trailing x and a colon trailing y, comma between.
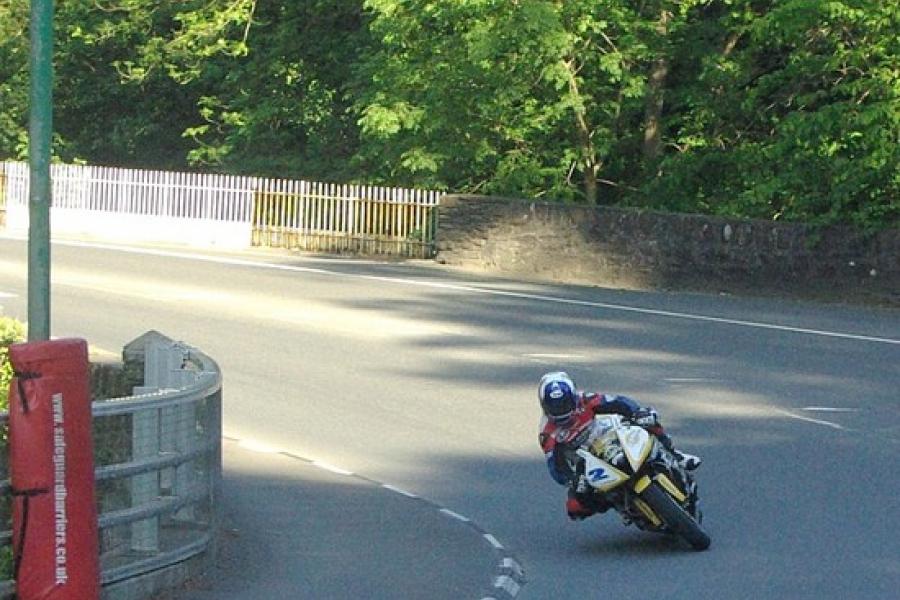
x: 689, y: 462
x: 582, y: 501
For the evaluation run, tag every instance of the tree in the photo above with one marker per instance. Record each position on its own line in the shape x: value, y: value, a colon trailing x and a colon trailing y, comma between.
x: 506, y: 97
x: 116, y: 102
x: 282, y: 106
x: 793, y: 113
x: 222, y: 84
x: 13, y: 79
x: 781, y: 110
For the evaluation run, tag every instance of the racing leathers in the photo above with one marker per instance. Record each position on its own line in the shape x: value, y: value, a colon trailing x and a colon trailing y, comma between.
x: 554, y: 438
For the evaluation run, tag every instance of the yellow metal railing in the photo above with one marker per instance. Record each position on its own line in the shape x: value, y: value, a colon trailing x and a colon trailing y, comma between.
x: 331, y: 218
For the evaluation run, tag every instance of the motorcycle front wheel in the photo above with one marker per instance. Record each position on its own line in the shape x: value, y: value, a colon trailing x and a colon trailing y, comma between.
x: 675, y: 517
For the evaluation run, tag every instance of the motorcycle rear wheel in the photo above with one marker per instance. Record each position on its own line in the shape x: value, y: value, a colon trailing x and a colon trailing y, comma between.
x: 675, y: 517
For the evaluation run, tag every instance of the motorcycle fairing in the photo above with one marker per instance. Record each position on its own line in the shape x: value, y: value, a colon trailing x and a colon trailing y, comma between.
x: 648, y: 512
x: 600, y: 474
x: 667, y: 484
x: 670, y: 487
x: 636, y: 443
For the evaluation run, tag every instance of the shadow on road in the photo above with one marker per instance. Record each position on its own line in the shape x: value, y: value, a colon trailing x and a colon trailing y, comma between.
x: 794, y: 500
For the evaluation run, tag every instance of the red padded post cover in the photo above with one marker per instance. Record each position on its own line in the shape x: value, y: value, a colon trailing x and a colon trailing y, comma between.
x: 52, y: 472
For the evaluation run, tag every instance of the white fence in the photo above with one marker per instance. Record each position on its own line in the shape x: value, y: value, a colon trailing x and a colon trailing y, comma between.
x: 226, y: 211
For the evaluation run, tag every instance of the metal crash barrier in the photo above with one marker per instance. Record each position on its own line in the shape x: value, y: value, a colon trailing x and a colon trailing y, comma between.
x: 158, y: 464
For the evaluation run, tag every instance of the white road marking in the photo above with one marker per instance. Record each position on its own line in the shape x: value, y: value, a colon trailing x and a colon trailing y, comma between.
x: 455, y: 515
x: 8, y: 295
x: 829, y: 409
x: 508, y: 563
x: 811, y: 420
x: 503, y: 581
x: 507, y: 584
x: 309, y: 314
x: 487, y: 291
x: 331, y: 468
x: 554, y: 356
x: 400, y: 491
x: 255, y: 446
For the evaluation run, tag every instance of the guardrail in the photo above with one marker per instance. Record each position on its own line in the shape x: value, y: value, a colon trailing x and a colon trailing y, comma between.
x: 158, y: 466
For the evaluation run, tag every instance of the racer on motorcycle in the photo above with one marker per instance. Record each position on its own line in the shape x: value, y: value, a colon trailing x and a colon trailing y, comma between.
x: 564, y: 408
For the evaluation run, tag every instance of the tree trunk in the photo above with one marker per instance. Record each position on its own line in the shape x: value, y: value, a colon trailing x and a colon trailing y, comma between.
x: 591, y: 187
x: 653, y: 108
x: 589, y: 163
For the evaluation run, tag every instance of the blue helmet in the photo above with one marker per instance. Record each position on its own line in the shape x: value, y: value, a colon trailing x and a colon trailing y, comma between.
x: 556, y: 392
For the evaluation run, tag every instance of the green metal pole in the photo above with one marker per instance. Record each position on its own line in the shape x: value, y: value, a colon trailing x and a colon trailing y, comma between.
x: 40, y: 131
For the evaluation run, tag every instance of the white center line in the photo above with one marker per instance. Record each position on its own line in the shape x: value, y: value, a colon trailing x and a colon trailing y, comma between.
x: 488, y: 291
x: 810, y: 420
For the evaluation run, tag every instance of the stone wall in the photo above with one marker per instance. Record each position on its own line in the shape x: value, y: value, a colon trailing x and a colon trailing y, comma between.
x: 645, y: 249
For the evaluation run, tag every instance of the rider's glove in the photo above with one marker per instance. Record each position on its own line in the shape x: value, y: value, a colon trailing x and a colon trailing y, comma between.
x: 645, y: 417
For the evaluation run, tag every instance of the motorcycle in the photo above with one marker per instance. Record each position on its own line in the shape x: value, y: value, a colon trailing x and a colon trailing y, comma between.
x: 639, y: 477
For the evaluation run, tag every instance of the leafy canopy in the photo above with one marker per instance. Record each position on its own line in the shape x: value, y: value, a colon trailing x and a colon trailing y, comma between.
x: 784, y: 109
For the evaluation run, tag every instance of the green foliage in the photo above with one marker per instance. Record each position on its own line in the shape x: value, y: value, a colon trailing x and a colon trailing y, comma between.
x: 793, y: 113
x: 299, y: 68
x: 515, y: 98
x: 13, y: 78
x: 6, y: 563
x: 11, y: 331
x: 784, y: 109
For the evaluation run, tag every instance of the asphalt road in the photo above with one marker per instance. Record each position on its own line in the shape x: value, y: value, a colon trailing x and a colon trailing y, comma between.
x: 424, y: 379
